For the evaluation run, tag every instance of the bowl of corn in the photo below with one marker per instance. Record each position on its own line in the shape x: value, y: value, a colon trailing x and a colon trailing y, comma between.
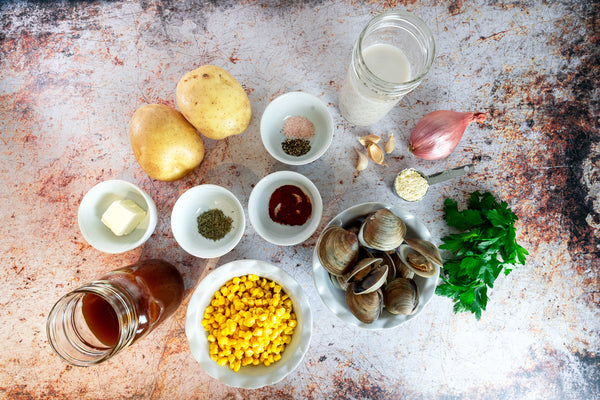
x: 248, y: 324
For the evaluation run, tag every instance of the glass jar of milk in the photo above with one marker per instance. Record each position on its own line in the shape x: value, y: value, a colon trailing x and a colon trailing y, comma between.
x: 390, y: 58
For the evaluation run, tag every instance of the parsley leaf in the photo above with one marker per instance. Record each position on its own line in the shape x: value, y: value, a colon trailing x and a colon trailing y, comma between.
x: 485, y: 247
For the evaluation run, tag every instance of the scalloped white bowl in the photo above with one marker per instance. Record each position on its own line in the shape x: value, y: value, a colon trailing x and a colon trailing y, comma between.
x: 251, y: 376
x: 334, y: 298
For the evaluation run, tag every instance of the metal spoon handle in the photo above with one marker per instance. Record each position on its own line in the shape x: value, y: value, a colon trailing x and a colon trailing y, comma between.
x: 449, y: 174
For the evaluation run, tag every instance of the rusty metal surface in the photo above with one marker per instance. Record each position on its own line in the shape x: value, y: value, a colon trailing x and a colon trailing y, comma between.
x: 72, y: 74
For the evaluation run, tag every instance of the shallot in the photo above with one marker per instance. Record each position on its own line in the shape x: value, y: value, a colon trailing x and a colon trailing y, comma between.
x: 437, y: 133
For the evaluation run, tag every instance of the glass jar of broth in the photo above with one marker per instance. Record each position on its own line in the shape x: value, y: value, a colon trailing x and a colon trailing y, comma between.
x: 391, y: 57
x: 96, y: 321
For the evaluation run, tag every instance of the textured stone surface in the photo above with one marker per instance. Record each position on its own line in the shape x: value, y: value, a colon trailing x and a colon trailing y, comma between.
x: 73, y: 73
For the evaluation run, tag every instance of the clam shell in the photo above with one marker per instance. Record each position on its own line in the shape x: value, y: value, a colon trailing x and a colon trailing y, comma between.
x: 404, y: 272
x: 382, y: 230
x: 337, y: 250
x: 361, y: 269
x: 388, y: 258
x: 365, y: 307
x: 374, y: 280
x: 415, y: 261
x: 401, y: 296
x: 337, y: 283
x: 427, y: 249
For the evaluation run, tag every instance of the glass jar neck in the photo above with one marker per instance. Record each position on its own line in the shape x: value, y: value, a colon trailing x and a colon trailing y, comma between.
x: 413, y: 26
x: 92, y: 323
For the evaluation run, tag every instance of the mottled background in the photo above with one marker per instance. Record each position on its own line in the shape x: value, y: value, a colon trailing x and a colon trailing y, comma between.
x: 72, y: 73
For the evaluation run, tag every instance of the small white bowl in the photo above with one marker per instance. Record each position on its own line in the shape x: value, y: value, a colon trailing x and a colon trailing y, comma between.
x: 296, y: 104
x: 258, y: 209
x: 252, y: 376
x: 195, y: 201
x: 334, y: 298
x: 97, y: 200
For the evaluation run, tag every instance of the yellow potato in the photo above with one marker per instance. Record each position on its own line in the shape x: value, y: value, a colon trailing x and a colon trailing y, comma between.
x: 164, y: 143
x: 214, y: 102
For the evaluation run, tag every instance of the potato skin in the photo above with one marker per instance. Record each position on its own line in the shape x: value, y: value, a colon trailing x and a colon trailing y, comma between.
x: 164, y: 143
x: 214, y: 102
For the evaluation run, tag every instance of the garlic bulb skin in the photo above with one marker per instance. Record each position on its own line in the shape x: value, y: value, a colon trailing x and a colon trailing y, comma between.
x: 437, y: 134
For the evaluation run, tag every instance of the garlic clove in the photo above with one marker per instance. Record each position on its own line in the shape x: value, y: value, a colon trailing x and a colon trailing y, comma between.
x: 390, y: 144
x: 375, y: 153
x: 365, y: 140
x: 362, y: 162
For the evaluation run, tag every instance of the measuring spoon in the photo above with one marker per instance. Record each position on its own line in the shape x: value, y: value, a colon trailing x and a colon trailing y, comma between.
x: 414, y: 189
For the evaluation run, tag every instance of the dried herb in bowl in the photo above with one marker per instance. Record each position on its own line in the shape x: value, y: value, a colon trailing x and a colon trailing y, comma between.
x: 214, y: 224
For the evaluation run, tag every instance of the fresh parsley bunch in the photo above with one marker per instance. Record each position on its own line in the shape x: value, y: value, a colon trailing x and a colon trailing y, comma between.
x: 486, y: 246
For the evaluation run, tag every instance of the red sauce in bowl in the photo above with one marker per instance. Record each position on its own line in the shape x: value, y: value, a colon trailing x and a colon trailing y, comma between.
x: 289, y: 205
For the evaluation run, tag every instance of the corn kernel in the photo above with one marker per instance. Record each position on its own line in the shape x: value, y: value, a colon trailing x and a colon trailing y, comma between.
x: 222, y: 362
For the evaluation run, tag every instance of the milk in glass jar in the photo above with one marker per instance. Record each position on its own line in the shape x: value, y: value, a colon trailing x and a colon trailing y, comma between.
x: 391, y: 57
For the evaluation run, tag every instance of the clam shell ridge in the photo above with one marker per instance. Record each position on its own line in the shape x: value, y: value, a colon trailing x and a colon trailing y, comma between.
x: 382, y: 230
x: 337, y: 250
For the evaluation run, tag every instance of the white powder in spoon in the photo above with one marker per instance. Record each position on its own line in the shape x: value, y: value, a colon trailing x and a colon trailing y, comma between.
x: 411, y: 185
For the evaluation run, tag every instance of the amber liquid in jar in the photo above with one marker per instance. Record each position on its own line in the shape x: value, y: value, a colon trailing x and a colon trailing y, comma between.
x: 101, y: 318
x: 97, y: 320
x: 156, y: 289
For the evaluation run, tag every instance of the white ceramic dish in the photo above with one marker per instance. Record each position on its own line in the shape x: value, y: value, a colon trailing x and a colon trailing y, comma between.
x: 258, y: 209
x: 195, y: 201
x: 296, y: 104
x: 334, y: 298
x: 252, y: 376
x: 97, y: 200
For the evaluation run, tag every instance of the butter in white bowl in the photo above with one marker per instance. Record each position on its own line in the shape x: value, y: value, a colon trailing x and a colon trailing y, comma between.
x: 123, y: 216
x: 116, y: 216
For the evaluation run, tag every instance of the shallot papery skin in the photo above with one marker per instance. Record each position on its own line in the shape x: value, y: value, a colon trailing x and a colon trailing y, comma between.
x: 437, y: 133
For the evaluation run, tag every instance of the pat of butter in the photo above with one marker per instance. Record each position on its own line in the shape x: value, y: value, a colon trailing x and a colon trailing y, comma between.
x: 123, y: 216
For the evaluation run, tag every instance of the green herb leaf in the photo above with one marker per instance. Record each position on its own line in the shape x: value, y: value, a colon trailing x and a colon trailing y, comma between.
x: 485, y: 247
x: 461, y: 220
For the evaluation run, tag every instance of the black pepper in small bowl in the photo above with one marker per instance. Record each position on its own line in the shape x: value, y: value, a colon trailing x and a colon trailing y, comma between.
x: 295, y: 147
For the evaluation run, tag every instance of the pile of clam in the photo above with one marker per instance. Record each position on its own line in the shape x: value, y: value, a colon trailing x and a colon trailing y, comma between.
x: 374, y: 262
